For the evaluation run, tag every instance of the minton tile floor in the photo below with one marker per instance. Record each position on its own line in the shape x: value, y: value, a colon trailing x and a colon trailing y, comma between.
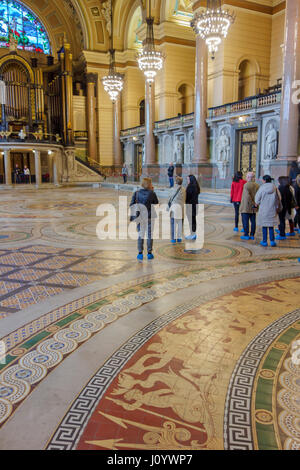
x: 186, y: 352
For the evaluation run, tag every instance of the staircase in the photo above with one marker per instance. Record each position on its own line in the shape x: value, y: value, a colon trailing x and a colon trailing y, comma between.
x: 92, y: 165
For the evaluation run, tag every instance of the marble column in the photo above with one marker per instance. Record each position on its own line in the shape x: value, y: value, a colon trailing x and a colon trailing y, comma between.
x: 289, y: 117
x: 92, y: 79
x: 200, y: 129
x: 117, y: 132
x: 38, y: 168
x: 149, y: 123
x: 55, y: 169
x: 7, y: 167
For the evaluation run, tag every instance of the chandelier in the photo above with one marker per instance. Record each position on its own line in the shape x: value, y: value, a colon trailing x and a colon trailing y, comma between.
x: 213, y: 25
x: 114, y: 81
x: 150, y: 61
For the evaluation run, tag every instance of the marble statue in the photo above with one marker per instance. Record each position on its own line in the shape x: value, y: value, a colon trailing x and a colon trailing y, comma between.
x: 271, y: 143
x: 223, y: 147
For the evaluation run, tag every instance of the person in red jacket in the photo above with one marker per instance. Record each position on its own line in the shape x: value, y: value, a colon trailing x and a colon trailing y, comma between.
x: 237, y: 187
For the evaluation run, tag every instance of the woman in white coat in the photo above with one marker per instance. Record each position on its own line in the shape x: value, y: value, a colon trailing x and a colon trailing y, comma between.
x: 269, y: 202
x: 176, y: 204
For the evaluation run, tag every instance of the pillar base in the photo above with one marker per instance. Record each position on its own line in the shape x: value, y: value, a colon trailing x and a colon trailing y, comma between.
x: 159, y: 173
x: 279, y: 168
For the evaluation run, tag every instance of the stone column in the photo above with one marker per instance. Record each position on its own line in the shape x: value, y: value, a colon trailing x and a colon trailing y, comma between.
x: 117, y: 133
x: 149, y: 124
x: 38, y: 169
x: 289, y: 117
x: 92, y: 79
x: 54, y: 169
x: 7, y: 166
x: 200, y: 129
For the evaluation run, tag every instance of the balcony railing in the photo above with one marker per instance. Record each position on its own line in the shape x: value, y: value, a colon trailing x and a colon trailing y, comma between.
x: 139, y: 130
x: 248, y: 104
x: 251, y: 103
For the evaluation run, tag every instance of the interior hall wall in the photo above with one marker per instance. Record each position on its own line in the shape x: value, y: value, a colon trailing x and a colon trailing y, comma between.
x: 248, y: 38
x: 276, y: 66
x: 133, y: 93
x: 179, y: 68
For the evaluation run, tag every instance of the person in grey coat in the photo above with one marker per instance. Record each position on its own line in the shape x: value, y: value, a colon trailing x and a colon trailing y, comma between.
x: 176, y: 206
x: 269, y: 202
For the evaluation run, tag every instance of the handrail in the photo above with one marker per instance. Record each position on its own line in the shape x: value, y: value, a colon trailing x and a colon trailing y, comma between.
x: 251, y: 102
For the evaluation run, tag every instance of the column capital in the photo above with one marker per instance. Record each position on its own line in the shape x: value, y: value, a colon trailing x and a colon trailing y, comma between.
x: 92, y: 78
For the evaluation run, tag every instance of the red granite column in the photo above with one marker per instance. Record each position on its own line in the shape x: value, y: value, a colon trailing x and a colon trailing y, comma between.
x: 200, y: 129
x: 289, y: 117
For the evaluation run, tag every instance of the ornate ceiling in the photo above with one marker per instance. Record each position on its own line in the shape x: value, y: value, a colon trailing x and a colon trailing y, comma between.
x: 86, y: 22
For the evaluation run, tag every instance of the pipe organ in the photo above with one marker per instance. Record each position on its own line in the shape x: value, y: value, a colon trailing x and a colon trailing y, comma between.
x: 37, y: 99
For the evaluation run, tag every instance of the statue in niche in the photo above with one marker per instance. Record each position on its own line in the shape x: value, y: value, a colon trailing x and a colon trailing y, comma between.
x: 223, y: 147
x: 191, y: 146
x: 177, y: 149
x: 271, y: 143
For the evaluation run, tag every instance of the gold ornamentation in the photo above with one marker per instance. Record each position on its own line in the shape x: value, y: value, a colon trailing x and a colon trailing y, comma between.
x: 281, y: 346
x: 167, y: 437
x: 267, y: 374
x: 263, y: 416
x: 18, y: 352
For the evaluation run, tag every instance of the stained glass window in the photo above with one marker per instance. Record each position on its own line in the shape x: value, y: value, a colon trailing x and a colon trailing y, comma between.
x: 17, y: 21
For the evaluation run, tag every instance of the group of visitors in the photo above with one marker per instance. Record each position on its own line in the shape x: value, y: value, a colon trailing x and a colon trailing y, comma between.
x: 273, y: 206
x: 179, y: 197
x: 21, y: 176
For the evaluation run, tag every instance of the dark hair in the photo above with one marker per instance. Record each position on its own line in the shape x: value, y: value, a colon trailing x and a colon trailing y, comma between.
x: 238, y: 176
x: 283, y: 181
x: 267, y: 178
x: 194, y: 182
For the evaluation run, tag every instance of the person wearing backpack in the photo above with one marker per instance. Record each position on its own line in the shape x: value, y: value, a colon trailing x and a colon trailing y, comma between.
x: 144, y: 214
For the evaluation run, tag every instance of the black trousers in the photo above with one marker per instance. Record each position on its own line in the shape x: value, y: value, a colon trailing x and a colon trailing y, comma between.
x: 282, y: 222
x: 297, y: 218
x: 237, y: 213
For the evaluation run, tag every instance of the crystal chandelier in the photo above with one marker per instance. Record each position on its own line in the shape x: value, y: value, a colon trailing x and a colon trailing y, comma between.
x: 150, y: 61
x: 114, y: 81
x: 213, y: 25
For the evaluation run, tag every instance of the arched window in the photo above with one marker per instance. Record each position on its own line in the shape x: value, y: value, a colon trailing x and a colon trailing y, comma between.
x: 20, y: 24
x: 186, y: 99
x: 247, y: 80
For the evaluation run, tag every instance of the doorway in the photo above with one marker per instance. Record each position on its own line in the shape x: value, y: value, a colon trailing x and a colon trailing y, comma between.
x: 247, y: 150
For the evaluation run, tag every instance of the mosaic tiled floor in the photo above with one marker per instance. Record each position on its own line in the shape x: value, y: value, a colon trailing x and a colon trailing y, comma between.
x: 31, y: 274
x: 171, y: 392
x: 190, y: 352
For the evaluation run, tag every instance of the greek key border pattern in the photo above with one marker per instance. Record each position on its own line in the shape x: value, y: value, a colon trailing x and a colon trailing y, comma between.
x: 237, y: 413
x: 68, y: 433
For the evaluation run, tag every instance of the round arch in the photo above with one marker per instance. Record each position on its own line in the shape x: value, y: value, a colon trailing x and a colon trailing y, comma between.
x: 186, y: 97
x: 247, y: 74
x: 70, y: 19
x: 133, y: 16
